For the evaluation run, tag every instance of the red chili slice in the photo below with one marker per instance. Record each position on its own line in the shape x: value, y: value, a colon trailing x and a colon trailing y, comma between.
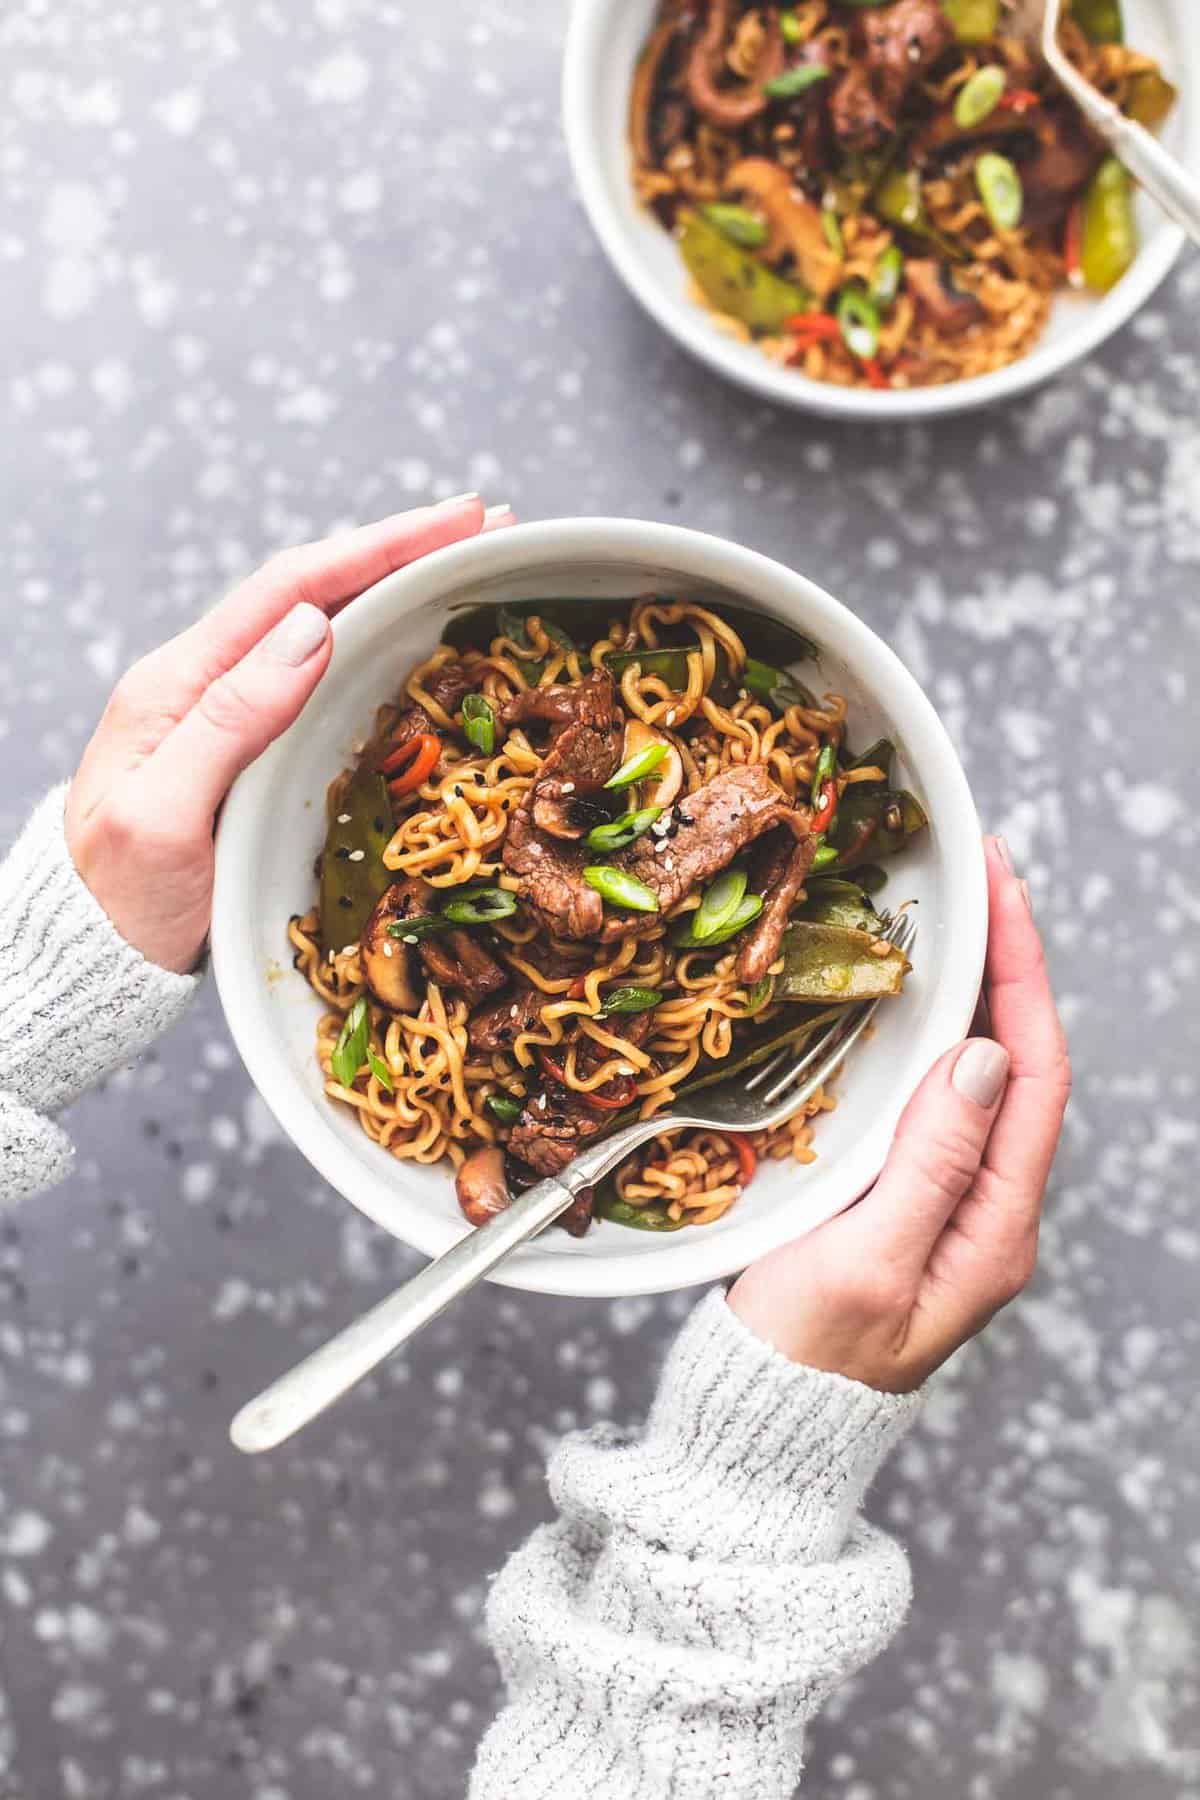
x: 743, y: 1149
x: 412, y: 762
x: 825, y: 808
x: 1019, y: 100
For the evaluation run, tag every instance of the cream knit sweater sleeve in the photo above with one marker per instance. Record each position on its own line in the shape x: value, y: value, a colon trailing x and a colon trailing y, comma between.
x: 708, y: 1580
x: 76, y: 1001
x: 707, y: 1584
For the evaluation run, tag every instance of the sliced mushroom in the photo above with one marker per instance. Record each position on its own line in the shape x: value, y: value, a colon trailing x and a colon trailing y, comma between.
x: 668, y: 777
x: 386, y: 964
x: 950, y: 308
x: 482, y: 1186
x: 730, y: 108
x: 795, y: 223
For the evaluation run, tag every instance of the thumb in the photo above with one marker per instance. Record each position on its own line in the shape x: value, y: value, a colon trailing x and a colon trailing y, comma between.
x: 238, y: 715
x: 935, y: 1156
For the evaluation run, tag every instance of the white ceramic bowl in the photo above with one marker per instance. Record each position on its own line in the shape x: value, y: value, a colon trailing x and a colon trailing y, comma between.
x: 603, y: 41
x: 273, y: 825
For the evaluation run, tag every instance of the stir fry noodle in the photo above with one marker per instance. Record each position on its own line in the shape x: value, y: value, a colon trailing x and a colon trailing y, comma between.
x: 580, y: 866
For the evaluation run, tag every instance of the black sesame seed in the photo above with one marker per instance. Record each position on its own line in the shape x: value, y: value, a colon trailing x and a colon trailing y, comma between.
x: 343, y: 851
x: 345, y: 900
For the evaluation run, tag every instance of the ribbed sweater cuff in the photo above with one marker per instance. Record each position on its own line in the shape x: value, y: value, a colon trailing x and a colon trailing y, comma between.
x: 76, y: 1000
x: 774, y: 1458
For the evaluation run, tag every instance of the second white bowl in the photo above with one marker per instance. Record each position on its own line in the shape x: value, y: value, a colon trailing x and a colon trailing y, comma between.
x: 604, y: 39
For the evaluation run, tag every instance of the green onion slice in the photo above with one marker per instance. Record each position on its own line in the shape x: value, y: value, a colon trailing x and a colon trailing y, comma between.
x: 630, y: 1000
x: 620, y: 889
x: 619, y: 832
x: 795, y: 81
x: 747, y: 911
x: 826, y: 854
x: 1000, y: 190
x: 643, y: 762
x: 789, y: 25
x: 737, y: 223
x: 350, y: 1051
x: 479, y: 723
x: 886, y: 277
x: 721, y: 900
x: 831, y: 226
x: 506, y: 1108
x: 979, y: 96
x: 759, y: 994
x: 480, y: 906
x: 413, y: 931
x: 380, y: 1071
x: 858, y: 317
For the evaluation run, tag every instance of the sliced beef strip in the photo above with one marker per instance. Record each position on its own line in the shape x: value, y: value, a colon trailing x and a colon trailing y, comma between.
x: 779, y: 874
x: 704, y: 832
x: 456, y: 959
x: 588, y: 702
x: 902, y: 42
x: 495, y: 1026
x: 856, y: 113
x: 1063, y: 163
x: 584, y: 754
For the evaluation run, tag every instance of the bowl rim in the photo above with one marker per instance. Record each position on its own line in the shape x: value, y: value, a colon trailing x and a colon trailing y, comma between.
x: 585, y: 49
x: 241, y: 981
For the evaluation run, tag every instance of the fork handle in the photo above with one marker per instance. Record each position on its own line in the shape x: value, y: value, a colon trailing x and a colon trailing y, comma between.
x: 325, y: 1375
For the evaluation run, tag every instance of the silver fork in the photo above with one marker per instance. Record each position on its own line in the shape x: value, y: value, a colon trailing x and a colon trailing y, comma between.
x: 770, y: 1095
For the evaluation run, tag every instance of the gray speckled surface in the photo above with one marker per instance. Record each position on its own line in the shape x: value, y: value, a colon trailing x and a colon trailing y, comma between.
x: 272, y: 267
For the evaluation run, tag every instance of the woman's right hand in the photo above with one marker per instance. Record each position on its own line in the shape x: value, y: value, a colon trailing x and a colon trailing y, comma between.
x: 948, y: 1234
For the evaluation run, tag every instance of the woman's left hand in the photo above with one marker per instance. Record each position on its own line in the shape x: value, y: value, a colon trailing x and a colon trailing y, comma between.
x: 189, y: 717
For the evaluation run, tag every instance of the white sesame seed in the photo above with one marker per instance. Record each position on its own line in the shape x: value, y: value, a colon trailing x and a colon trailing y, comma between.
x: 356, y: 856
x: 514, y: 1012
x: 626, y: 1068
x: 668, y: 863
x: 670, y: 719
x: 387, y: 950
x: 568, y: 787
x: 410, y: 937
x: 541, y: 1102
x: 343, y: 818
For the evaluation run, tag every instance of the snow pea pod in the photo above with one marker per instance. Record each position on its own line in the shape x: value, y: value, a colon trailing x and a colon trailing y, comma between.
x: 898, y: 200
x: 353, y: 877
x: 873, y: 822
x: 641, y: 1218
x: 776, y: 686
x: 833, y: 965
x: 1099, y: 20
x: 736, y: 283
x: 974, y: 21
x: 1109, y: 243
x: 833, y: 901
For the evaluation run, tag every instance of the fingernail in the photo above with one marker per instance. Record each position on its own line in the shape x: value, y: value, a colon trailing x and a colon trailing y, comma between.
x: 981, y: 1071
x: 1005, y: 854
x: 1024, y: 887
x: 298, y: 635
x: 456, y: 500
x: 492, y: 513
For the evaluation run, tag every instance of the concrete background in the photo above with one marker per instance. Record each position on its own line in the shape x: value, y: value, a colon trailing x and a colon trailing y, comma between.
x: 268, y: 268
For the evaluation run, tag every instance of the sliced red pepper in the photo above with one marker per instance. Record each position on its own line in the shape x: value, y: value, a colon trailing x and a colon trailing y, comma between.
x: 1019, y: 100
x: 1073, y: 244
x: 743, y: 1149
x: 825, y: 808
x: 578, y: 988
x: 412, y: 762
x: 872, y: 368
x: 815, y: 324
